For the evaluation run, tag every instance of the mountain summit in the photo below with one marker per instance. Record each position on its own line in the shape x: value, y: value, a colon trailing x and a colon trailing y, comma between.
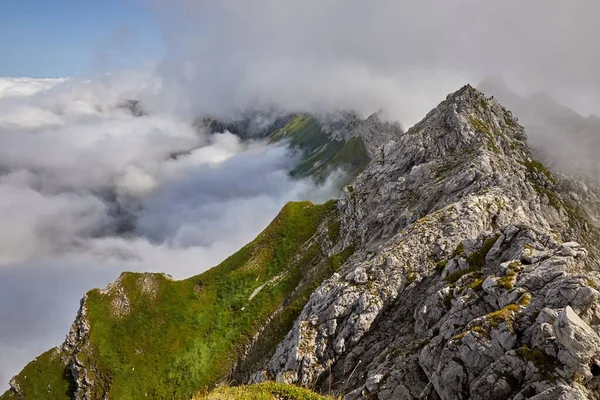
x: 456, y: 266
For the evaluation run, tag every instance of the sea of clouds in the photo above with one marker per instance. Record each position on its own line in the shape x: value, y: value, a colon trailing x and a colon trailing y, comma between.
x: 88, y: 190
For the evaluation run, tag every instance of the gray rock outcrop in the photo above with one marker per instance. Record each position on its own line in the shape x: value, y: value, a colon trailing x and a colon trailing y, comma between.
x: 472, y: 276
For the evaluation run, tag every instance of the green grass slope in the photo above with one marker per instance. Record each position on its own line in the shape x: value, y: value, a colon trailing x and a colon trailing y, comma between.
x: 152, y: 337
x: 46, y: 377
x: 321, y: 153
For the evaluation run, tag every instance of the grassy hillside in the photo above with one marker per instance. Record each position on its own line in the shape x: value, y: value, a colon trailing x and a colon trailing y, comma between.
x: 263, y: 391
x: 321, y: 153
x: 47, y: 377
x: 152, y: 337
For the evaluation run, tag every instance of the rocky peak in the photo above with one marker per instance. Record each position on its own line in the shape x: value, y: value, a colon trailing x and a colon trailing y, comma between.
x: 375, y: 132
x: 466, y: 146
x: 469, y: 279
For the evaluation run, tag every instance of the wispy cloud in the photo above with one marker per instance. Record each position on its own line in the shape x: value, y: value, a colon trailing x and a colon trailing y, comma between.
x: 402, y: 56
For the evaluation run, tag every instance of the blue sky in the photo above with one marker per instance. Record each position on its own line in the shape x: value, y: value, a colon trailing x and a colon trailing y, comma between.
x: 59, y: 38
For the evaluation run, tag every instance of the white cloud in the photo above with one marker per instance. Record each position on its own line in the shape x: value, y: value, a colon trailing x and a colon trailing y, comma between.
x: 14, y: 87
x: 399, y: 55
x: 75, y: 169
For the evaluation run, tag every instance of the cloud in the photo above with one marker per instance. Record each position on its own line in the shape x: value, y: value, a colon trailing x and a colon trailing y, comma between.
x: 11, y: 87
x: 402, y: 56
x: 88, y: 190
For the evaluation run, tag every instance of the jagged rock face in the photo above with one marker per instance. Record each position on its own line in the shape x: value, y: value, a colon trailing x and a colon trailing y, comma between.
x: 467, y: 282
x: 373, y: 131
x: 341, y: 127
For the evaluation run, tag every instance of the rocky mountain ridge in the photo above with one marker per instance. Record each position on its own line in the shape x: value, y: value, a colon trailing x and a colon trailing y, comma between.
x: 467, y: 283
x: 327, y: 142
x: 455, y: 266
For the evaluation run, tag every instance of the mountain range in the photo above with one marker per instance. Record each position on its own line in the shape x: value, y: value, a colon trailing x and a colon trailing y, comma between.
x: 454, y: 265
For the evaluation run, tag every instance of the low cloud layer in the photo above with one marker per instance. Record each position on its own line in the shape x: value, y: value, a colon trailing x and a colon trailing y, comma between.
x: 88, y: 190
x: 402, y: 56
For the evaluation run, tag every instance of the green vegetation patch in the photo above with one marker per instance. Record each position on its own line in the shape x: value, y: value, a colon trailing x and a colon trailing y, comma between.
x: 480, y: 126
x: 305, y: 133
x: 441, y: 265
x: 477, y: 284
x: 321, y: 153
x: 351, y: 156
x: 536, y: 167
x: 456, y: 275
x: 302, y: 131
x: 505, y: 315
x: 319, y: 268
x: 262, y: 391
x: 545, y: 363
x: 475, y: 260
x: 188, y: 334
x: 334, y: 229
x: 508, y: 281
x: 46, y: 377
x: 340, y: 258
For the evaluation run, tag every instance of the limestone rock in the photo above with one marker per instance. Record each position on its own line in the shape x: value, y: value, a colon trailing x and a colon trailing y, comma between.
x: 470, y: 270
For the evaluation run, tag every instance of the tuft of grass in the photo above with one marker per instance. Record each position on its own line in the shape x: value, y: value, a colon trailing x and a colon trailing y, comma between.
x: 340, y: 258
x: 475, y: 260
x: 262, y: 391
x: 477, y: 284
x: 480, y: 126
x: 545, y: 363
x: 508, y: 280
x: 460, y: 250
x: 591, y: 283
x: 411, y: 277
x: 440, y: 265
x: 460, y: 336
x: 505, y: 315
x: 525, y: 299
x: 455, y: 276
